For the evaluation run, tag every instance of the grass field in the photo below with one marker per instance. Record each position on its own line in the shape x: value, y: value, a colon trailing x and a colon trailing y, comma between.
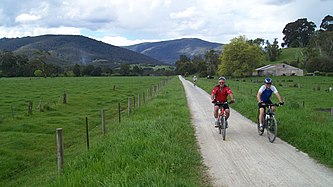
x: 305, y: 120
x: 28, y: 141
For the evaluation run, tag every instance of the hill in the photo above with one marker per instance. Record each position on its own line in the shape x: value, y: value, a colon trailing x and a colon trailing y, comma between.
x: 67, y: 50
x: 169, y: 51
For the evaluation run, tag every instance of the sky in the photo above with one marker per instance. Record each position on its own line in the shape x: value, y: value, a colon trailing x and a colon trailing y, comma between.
x: 128, y: 22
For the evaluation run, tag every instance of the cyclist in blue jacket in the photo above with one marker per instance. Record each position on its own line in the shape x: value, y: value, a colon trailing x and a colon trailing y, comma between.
x: 263, y: 97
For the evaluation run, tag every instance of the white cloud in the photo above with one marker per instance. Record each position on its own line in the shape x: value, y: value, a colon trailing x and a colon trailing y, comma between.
x: 22, y: 18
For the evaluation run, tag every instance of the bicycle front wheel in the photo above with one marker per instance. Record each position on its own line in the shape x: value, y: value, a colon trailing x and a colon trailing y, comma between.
x: 272, y: 129
x: 223, y: 128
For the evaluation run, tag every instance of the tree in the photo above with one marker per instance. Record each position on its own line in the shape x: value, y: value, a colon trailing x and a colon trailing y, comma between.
x: 327, y: 23
x: 137, y: 70
x: 184, y: 65
x: 97, y: 71
x: 212, y: 60
x: 77, y: 70
x: 239, y: 58
x: 258, y: 41
x: 38, y: 73
x: 8, y: 64
x: 88, y: 70
x: 319, y: 53
x: 199, y: 65
x: 273, y: 50
x: 124, y: 69
x: 298, y: 33
x: 40, y: 59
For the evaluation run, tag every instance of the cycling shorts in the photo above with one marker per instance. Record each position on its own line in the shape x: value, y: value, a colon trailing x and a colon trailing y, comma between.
x: 261, y: 105
x: 224, y: 106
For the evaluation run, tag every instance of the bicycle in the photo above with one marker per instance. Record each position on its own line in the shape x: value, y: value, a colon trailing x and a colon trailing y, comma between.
x: 222, y: 122
x: 269, y: 122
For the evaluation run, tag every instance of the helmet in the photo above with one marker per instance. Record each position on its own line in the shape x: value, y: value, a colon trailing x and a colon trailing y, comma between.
x: 222, y: 78
x: 268, y: 81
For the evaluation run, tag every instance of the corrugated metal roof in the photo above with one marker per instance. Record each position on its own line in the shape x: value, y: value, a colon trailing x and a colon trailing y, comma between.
x: 265, y: 67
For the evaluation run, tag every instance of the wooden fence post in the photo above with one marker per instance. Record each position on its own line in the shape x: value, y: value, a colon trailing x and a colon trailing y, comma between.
x: 30, y: 108
x: 60, y: 150
x: 138, y: 100
x: 129, y: 104
x: 103, y: 122
x: 65, y: 98
x: 119, y: 112
x: 134, y: 101
x: 87, y: 132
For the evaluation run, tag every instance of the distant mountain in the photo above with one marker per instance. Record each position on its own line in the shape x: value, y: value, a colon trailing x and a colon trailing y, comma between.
x: 169, y: 51
x: 67, y: 50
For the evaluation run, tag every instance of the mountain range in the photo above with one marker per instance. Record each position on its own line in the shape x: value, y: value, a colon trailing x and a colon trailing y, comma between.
x: 67, y: 50
x: 169, y: 51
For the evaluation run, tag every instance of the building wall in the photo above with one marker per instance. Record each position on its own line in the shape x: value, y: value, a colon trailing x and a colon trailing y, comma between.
x: 281, y: 70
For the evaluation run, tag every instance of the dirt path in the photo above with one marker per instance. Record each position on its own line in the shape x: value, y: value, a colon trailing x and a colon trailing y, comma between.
x: 245, y: 158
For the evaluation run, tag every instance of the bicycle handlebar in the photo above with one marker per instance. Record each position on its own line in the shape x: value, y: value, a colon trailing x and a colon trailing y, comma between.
x: 224, y: 103
x: 273, y: 104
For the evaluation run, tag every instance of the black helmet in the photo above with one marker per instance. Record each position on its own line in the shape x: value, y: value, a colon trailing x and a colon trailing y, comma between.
x: 268, y: 81
x: 222, y: 78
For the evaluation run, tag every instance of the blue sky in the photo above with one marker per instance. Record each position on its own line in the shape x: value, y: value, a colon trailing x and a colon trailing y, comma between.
x: 127, y: 22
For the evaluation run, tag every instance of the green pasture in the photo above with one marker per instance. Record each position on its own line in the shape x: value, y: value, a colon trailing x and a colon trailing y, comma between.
x: 155, y: 146
x: 28, y: 142
x: 305, y: 121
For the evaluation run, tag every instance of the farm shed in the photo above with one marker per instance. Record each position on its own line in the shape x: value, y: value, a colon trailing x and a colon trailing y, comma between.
x: 278, y: 70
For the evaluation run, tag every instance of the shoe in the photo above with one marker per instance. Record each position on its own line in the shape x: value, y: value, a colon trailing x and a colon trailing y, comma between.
x: 261, y: 127
x: 216, y: 124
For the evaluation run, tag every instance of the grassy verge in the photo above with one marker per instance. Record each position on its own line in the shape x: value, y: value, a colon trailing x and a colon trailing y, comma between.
x: 304, y: 121
x: 155, y: 146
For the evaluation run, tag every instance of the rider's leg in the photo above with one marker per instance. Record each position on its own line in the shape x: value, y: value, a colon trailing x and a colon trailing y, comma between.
x: 227, y: 113
x: 216, y: 110
x: 261, y: 114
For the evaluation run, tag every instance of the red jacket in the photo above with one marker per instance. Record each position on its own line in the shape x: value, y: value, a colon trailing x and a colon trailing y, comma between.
x: 221, y: 95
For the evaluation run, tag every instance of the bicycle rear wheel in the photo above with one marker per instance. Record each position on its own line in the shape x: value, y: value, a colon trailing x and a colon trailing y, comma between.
x: 272, y: 129
x: 223, y: 127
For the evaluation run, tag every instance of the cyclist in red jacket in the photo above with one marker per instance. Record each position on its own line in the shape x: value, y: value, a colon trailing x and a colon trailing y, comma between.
x: 220, y: 94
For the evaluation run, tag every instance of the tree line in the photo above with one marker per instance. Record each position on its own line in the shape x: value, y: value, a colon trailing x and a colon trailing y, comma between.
x: 241, y: 56
x: 15, y: 65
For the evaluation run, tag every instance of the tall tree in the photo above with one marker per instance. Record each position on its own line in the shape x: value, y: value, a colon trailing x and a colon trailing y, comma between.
x: 273, y: 49
x: 212, y: 60
x: 77, y: 70
x: 298, y: 33
x: 199, y: 65
x: 327, y: 23
x: 240, y: 58
x: 124, y: 69
x: 184, y: 65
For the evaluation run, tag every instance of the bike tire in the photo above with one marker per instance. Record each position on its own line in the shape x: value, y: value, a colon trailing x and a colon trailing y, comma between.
x: 272, y: 129
x: 223, y: 128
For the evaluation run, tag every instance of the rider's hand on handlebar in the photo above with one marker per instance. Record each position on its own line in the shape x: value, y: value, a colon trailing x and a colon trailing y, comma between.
x: 260, y: 103
x: 281, y: 103
x: 232, y: 101
x: 214, y: 101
